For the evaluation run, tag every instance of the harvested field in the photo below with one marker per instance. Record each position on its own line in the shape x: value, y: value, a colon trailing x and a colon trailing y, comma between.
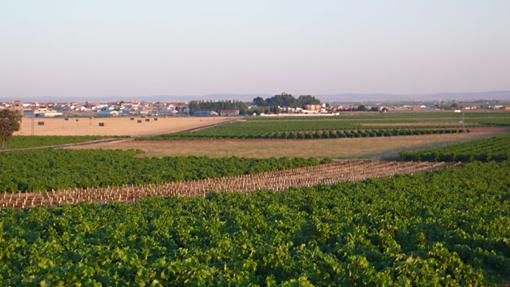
x: 262, y: 148
x: 336, y: 172
x: 122, y: 126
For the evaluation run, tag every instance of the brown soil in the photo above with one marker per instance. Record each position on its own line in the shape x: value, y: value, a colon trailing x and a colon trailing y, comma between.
x: 264, y: 148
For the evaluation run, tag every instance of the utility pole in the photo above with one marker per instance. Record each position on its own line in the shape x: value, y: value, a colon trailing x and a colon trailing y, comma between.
x: 463, y: 121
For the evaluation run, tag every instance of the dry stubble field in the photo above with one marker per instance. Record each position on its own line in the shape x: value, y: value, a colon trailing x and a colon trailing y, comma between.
x: 122, y: 126
x: 263, y: 148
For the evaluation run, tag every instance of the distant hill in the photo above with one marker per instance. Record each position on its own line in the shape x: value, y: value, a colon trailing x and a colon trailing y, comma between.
x: 469, y: 96
x: 341, y: 97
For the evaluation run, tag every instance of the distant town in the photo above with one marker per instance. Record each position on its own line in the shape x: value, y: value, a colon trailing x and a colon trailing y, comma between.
x: 279, y: 105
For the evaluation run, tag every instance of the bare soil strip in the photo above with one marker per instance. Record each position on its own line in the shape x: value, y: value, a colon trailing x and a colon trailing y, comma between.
x: 266, y: 148
x: 336, y: 172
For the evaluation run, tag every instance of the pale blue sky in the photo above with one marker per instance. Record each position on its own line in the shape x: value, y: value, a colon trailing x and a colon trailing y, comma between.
x: 110, y: 48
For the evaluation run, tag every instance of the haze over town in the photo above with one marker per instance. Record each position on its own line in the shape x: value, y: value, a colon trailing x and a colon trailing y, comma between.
x: 114, y: 50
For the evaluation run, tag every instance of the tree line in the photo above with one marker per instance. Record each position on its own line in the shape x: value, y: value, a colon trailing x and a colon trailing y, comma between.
x: 283, y: 100
x: 217, y: 106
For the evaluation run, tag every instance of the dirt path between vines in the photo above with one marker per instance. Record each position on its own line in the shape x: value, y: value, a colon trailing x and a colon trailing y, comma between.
x: 336, y: 172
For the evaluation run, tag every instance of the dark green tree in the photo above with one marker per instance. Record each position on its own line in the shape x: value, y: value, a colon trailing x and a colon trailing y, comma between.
x: 9, y: 123
x: 259, y: 101
x: 362, y: 108
x: 307, y: 100
x: 217, y: 106
x: 285, y: 100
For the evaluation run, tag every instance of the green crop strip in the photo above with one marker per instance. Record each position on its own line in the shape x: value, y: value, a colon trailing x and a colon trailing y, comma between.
x: 315, y: 134
x: 38, y: 141
x: 57, y: 169
x: 492, y: 149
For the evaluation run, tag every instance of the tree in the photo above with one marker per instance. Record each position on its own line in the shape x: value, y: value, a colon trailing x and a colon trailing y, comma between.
x: 217, y: 106
x: 259, y: 102
x: 362, y: 108
x: 307, y: 100
x: 285, y: 100
x: 9, y: 123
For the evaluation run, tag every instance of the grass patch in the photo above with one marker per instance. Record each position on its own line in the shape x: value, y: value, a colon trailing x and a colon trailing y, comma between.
x: 39, y: 141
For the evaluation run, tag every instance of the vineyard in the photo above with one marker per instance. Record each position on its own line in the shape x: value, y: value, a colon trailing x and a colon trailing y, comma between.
x: 115, y: 218
x: 351, y: 125
x: 316, y: 134
x: 38, y: 141
x: 340, y: 171
x: 492, y: 149
x: 445, y: 228
x: 47, y: 170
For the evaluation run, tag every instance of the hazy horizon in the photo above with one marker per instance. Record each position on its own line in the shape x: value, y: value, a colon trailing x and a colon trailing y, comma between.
x: 503, y: 96
x: 115, y: 49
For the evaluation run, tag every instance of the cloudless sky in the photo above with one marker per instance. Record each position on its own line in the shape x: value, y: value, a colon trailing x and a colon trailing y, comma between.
x: 120, y: 48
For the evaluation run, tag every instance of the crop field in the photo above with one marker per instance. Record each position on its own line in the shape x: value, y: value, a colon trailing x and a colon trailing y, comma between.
x: 121, y: 126
x: 346, y: 126
x: 45, y: 170
x: 340, y: 171
x: 109, y: 217
x: 39, y: 141
x: 492, y: 149
x: 448, y: 227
